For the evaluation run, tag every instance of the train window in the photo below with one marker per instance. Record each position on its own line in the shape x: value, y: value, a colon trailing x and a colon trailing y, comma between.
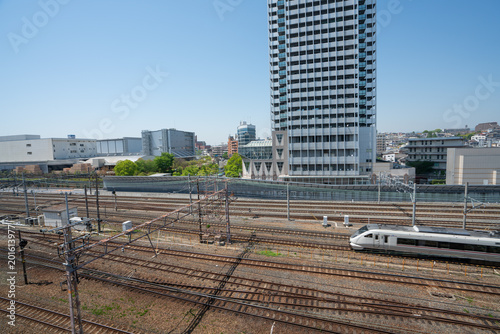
x: 403, y: 241
x: 443, y: 244
x: 468, y: 247
x: 421, y: 242
x: 369, y: 235
x: 386, y: 239
x: 361, y: 230
x: 480, y: 248
x: 454, y: 245
x: 431, y: 243
x: 493, y: 249
x: 376, y: 236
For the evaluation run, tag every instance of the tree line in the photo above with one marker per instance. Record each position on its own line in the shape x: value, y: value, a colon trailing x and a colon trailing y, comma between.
x: 167, y: 163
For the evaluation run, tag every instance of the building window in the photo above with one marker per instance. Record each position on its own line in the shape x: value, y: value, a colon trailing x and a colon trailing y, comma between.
x: 28, y: 145
x: 30, y: 153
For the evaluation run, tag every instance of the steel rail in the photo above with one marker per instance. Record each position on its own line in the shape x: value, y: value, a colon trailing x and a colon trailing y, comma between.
x: 141, y: 226
x: 386, y: 310
x: 394, y: 308
x: 64, y: 316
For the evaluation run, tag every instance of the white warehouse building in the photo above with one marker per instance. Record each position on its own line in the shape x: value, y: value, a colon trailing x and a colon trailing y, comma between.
x: 49, y: 153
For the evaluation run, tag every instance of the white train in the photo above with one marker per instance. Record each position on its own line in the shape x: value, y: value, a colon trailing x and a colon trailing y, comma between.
x: 429, y: 241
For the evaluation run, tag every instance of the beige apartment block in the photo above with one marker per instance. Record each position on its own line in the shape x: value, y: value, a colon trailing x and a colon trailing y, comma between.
x: 473, y: 165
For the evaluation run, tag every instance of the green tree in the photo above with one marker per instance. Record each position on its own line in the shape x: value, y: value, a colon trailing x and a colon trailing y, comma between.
x: 469, y: 135
x: 190, y: 170
x: 125, y: 168
x: 209, y: 169
x: 164, y: 162
x: 234, y: 166
x: 225, y: 156
x: 145, y: 166
x: 421, y: 167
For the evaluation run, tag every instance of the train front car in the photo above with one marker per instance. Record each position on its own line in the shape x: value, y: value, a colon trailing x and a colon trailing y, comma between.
x: 356, y: 240
x: 428, y: 241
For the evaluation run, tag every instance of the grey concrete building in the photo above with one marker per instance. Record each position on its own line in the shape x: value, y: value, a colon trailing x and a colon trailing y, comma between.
x: 322, y: 58
x: 479, y: 166
x: 120, y: 146
x: 179, y: 143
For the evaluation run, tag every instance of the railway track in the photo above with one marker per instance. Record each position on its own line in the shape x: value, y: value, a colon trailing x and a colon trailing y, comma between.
x: 281, y: 266
x: 287, y: 303
x: 311, y: 309
x: 310, y: 323
x: 47, y: 320
x: 121, y: 216
x: 152, y: 203
x: 444, y: 214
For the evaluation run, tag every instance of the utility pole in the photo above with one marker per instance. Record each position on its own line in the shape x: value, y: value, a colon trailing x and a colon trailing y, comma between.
x: 474, y: 203
x: 199, y: 208
x: 86, y: 202
x: 206, y: 185
x: 71, y: 278
x: 465, y: 205
x: 228, y: 225
x: 116, y: 204
x: 14, y: 189
x: 379, y: 186
x: 26, y: 198
x: 288, y: 201
x: 34, y: 201
x: 414, y: 204
x: 190, y: 195
x: 22, y: 244
x: 97, y: 203
x: 393, y: 182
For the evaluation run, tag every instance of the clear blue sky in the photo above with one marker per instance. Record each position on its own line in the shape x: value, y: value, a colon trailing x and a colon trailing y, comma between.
x: 111, y: 68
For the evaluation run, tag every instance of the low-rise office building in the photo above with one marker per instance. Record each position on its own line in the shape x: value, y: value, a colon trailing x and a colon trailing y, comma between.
x: 433, y: 150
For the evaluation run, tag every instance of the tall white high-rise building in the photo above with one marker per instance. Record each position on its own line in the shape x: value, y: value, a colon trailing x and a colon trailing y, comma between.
x: 322, y: 56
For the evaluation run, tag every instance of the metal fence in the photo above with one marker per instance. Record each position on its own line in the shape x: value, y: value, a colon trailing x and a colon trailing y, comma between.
x: 299, y: 191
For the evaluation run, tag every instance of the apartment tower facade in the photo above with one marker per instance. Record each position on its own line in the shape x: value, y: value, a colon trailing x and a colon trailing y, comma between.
x: 322, y: 56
